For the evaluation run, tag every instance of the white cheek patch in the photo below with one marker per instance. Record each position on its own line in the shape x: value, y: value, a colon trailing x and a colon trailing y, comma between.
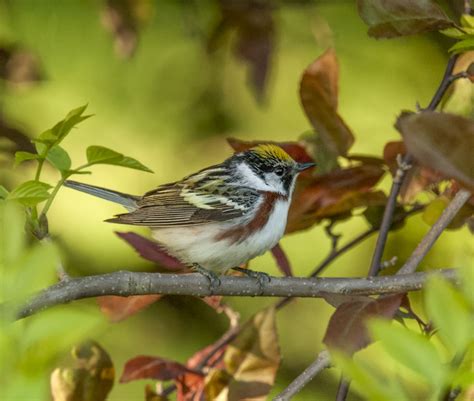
x: 252, y: 180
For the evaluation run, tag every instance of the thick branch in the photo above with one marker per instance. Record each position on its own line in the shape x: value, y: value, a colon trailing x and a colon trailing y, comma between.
x: 125, y: 283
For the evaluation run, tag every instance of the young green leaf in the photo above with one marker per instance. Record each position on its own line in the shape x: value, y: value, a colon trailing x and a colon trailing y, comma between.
x: 410, y: 349
x: 102, y: 155
x: 450, y: 312
x: 463, y: 45
x: 30, y: 193
x: 55, y: 135
x: 3, y: 192
x: 21, y: 156
x: 59, y: 158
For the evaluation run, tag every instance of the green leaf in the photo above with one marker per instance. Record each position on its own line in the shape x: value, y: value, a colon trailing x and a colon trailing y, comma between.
x: 59, y: 158
x: 55, y: 135
x: 12, y: 222
x: 466, y: 275
x: 450, y: 312
x: 463, y: 45
x: 30, y: 193
x: 410, y: 349
x: 102, y: 155
x: 21, y: 156
x: 467, y: 21
x: 456, y: 33
x: 3, y: 192
x: 368, y: 382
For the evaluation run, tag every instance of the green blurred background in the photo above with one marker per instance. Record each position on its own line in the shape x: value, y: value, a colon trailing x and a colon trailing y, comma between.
x: 171, y: 106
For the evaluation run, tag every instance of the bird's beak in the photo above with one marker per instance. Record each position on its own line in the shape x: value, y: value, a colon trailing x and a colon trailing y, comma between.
x: 304, y: 166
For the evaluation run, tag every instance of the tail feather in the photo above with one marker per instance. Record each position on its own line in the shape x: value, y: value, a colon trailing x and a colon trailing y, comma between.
x: 126, y: 200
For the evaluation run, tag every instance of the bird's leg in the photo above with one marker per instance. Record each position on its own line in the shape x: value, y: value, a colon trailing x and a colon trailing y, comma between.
x: 261, y: 277
x: 213, y: 278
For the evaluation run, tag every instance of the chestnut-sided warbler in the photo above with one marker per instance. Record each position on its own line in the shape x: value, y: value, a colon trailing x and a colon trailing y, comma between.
x: 220, y: 217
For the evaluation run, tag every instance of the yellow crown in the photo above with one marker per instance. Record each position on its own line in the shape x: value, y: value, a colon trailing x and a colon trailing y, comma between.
x: 271, y: 151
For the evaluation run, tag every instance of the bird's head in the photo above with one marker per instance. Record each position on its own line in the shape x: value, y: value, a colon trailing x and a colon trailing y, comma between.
x: 268, y: 167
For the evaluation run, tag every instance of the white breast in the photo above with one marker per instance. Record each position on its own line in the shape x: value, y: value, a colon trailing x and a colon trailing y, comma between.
x: 198, y: 244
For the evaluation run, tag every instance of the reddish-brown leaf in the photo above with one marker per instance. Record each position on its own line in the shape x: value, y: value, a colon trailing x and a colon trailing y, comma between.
x: 417, y: 179
x: 347, y: 331
x: 151, y: 367
x: 255, y: 28
x: 119, y: 308
x: 442, y: 142
x: 392, y: 18
x: 332, y: 194
x: 282, y: 260
x: 151, y: 250
x: 318, y: 94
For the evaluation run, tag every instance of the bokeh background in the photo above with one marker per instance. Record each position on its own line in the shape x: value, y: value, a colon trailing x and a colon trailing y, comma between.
x: 171, y: 105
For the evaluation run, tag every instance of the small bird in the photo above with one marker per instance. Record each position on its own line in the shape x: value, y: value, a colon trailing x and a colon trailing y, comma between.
x: 220, y: 217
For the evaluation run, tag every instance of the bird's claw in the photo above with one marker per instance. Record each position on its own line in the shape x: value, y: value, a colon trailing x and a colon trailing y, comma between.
x: 213, y: 278
x: 261, y: 277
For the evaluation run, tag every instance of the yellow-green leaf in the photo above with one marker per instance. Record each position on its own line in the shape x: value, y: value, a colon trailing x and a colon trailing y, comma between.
x: 410, y: 349
x: 30, y: 193
x: 103, y: 155
x: 450, y: 312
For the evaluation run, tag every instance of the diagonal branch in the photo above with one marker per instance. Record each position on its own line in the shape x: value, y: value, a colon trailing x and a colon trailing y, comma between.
x: 125, y: 283
x: 408, y: 268
x: 400, y: 174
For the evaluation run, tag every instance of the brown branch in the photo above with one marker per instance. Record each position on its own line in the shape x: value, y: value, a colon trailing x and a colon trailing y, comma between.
x: 400, y: 174
x: 422, y: 249
x: 125, y: 283
x: 435, y: 231
x: 320, y: 363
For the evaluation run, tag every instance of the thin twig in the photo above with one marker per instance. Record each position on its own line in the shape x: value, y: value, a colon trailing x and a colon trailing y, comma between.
x: 321, y: 362
x: 400, y: 175
x: 125, y: 283
x: 435, y: 231
x: 343, y: 389
x: 427, y: 242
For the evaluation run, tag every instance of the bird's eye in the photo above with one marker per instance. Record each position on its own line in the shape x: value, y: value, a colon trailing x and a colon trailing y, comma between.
x: 279, y: 171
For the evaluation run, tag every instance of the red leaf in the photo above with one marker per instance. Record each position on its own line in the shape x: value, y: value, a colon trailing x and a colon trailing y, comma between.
x: 151, y: 367
x: 346, y: 329
x: 282, y: 260
x: 332, y: 194
x: 318, y: 93
x: 151, y: 250
x: 119, y: 308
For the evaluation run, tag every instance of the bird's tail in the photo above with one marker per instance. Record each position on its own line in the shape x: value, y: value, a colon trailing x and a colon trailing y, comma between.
x: 126, y: 200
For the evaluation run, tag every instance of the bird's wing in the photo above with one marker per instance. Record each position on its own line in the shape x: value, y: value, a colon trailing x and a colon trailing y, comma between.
x: 205, y: 197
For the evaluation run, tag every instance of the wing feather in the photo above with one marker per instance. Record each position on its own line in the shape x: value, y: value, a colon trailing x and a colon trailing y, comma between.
x: 199, y: 199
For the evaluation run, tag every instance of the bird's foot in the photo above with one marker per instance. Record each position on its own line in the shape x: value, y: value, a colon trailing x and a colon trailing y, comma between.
x: 261, y: 277
x: 213, y: 278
